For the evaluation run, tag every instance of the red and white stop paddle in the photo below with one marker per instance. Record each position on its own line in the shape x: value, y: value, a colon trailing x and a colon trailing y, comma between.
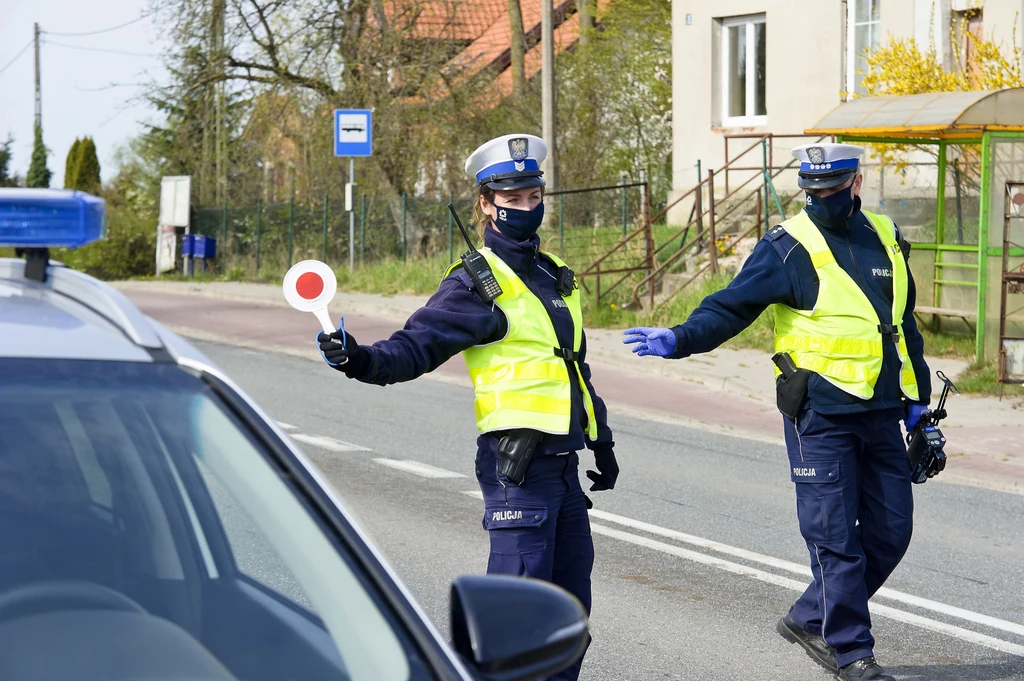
x: 309, y: 286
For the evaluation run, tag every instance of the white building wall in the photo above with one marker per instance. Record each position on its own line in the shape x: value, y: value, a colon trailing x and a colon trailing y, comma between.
x: 806, y: 68
x: 804, y: 78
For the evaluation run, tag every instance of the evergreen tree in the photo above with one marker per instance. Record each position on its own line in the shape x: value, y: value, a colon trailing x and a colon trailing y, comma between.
x: 6, y: 179
x: 38, y: 174
x: 71, y: 164
x: 87, y: 175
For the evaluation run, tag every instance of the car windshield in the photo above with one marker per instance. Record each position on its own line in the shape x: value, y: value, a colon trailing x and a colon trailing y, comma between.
x: 141, y: 523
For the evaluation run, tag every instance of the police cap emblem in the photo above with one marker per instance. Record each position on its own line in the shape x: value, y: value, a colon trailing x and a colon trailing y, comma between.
x: 518, y: 148
x: 816, y: 154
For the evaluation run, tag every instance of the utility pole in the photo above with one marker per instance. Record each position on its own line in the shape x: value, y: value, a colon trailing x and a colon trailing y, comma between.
x: 212, y: 168
x: 550, y: 165
x: 220, y: 167
x: 39, y: 94
x: 585, y: 14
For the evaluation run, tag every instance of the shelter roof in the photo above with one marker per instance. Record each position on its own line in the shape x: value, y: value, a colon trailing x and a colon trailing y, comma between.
x: 936, y: 115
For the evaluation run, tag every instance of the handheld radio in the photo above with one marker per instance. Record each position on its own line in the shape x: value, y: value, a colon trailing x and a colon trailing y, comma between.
x: 476, y: 266
x: 925, y: 442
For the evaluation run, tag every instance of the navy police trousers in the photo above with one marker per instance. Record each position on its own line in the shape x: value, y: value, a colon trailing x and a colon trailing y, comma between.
x: 855, y: 506
x: 539, y: 528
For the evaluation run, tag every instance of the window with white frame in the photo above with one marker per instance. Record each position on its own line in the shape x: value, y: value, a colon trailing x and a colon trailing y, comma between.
x: 865, y: 31
x: 743, y: 71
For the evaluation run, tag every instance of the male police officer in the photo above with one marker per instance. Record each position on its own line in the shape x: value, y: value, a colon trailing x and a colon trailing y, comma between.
x: 843, y: 298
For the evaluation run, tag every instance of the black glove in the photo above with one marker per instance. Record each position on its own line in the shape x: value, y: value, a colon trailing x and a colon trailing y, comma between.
x: 341, y: 351
x: 604, y: 457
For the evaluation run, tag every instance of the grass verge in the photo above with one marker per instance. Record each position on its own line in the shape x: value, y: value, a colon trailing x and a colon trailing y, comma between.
x: 981, y: 380
x: 421, y: 277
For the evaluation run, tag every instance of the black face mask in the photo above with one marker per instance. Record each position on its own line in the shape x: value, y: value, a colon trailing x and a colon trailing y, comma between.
x: 831, y: 210
x: 518, y: 224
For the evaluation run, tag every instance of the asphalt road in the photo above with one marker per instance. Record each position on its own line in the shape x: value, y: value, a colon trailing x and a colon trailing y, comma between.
x: 698, y: 551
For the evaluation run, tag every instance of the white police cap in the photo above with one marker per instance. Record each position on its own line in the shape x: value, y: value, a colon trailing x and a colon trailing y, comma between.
x: 826, y: 165
x: 508, y: 162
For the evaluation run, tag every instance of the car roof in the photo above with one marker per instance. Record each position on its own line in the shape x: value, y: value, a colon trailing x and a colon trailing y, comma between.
x: 72, y: 315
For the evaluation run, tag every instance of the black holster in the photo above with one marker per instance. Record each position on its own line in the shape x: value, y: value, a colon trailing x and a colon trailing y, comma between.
x: 791, y: 386
x: 515, y: 451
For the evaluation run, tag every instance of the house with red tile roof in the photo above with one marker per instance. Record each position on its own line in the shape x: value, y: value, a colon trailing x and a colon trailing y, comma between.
x: 485, y: 28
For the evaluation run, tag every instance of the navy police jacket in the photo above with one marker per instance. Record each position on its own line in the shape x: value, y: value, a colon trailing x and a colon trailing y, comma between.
x: 456, y: 318
x: 779, y: 270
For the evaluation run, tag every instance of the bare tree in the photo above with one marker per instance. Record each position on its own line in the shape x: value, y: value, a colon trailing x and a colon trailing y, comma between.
x: 346, y: 53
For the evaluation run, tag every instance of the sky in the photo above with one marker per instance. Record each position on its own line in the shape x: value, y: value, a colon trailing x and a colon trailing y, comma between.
x: 76, y: 93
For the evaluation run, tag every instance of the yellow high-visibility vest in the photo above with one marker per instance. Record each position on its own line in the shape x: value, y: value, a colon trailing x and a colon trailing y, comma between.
x: 519, y: 381
x: 840, y: 338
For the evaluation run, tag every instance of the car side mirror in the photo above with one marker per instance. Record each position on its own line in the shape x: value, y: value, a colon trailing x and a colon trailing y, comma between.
x: 516, y: 628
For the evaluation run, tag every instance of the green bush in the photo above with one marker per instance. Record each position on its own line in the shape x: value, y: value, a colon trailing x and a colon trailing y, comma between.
x: 129, y: 249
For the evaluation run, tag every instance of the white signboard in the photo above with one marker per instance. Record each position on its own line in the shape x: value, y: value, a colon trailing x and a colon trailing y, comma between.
x: 1014, y: 350
x: 166, y: 245
x: 174, y: 200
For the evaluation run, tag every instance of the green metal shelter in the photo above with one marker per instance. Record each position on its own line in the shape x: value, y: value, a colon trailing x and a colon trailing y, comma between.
x: 984, y: 133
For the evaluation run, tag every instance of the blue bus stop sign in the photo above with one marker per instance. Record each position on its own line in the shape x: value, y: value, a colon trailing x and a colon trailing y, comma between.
x: 353, y: 132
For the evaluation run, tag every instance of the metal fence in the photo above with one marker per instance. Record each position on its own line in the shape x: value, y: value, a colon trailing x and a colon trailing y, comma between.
x: 266, y: 239
x: 948, y: 199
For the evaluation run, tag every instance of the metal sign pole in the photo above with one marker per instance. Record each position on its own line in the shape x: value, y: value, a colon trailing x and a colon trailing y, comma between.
x: 353, y: 136
x: 351, y: 215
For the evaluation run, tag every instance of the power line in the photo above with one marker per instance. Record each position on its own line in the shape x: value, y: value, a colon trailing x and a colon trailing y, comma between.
x: 100, y: 49
x: 17, y: 56
x: 103, y: 30
x: 109, y: 87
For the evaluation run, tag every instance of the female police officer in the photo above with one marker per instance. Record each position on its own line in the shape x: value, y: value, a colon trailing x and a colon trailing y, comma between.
x: 535, y: 405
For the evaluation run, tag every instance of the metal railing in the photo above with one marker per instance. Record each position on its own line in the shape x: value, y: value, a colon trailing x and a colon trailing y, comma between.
x: 704, y: 211
x: 768, y: 176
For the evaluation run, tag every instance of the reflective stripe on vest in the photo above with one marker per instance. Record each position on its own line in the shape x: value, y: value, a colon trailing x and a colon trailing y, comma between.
x: 840, y: 338
x: 519, y: 381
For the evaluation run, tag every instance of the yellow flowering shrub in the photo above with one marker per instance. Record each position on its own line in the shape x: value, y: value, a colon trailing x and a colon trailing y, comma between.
x: 902, y: 67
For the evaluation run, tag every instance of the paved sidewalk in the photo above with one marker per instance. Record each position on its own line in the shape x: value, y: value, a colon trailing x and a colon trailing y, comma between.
x: 726, y: 390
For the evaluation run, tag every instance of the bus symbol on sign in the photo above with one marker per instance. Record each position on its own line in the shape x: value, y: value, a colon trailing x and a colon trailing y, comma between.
x: 353, y: 132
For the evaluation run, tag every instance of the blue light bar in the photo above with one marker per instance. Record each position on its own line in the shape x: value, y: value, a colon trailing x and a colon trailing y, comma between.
x: 50, y: 218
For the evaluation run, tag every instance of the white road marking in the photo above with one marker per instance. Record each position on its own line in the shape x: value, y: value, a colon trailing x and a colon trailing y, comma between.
x: 417, y: 468
x: 800, y: 586
x: 786, y: 582
x: 428, y: 471
x: 328, y: 443
x: 286, y: 426
x: 805, y: 571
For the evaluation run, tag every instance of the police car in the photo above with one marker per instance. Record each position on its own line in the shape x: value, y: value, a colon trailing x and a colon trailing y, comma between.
x: 154, y: 523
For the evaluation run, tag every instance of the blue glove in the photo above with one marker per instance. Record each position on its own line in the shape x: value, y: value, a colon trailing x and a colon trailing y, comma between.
x: 649, y: 341
x: 914, y: 412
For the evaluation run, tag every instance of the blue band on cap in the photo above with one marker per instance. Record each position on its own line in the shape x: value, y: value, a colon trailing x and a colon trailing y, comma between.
x: 526, y: 165
x: 842, y: 164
